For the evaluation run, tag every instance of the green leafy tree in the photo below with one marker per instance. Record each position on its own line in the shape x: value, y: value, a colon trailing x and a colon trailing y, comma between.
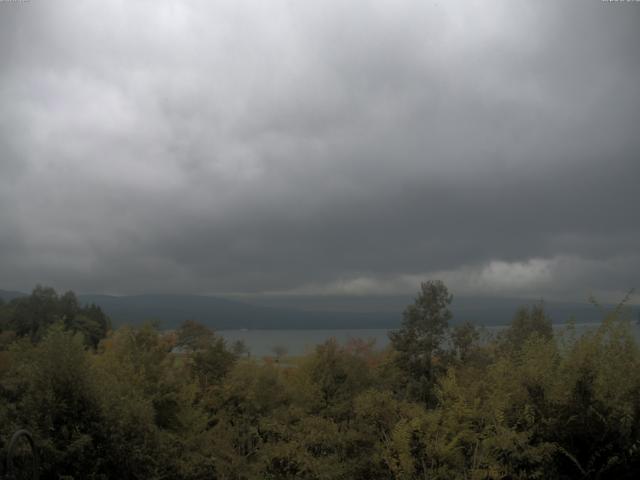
x: 31, y: 316
x: 528, y: 321
x: 333, y: 376
x: 239, y: 348
x: 93, y: 323
x: 418, y: 343
x: 53, y: 393
x: 212, y: 363
x: 464, y: 338
x: 194, y: 336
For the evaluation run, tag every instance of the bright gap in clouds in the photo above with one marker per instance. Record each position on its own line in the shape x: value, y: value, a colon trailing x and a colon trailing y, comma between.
x: 552, y: 279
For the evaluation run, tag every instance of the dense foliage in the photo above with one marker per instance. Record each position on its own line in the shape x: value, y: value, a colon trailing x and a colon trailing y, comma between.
x: 439, y: 403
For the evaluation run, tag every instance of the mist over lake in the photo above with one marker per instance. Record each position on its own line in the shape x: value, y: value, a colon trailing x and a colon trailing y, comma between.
x: 261, y: 343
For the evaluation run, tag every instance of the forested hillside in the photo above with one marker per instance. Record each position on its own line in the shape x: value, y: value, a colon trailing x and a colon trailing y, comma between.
x: 441, y: 402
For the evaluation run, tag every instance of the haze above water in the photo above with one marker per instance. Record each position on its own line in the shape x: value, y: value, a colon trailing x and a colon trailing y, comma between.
x: 297, y: 342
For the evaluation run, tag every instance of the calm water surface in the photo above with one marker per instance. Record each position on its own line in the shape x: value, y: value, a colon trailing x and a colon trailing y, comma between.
x: 298, y: 342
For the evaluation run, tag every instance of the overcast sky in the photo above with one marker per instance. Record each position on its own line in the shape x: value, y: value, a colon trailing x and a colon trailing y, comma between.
x: 320, y: 146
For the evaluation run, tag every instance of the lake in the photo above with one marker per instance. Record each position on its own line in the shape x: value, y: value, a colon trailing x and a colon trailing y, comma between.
x: 299, y: 342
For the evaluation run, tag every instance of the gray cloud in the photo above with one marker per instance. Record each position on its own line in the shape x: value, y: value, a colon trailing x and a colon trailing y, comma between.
x: 243, y: 147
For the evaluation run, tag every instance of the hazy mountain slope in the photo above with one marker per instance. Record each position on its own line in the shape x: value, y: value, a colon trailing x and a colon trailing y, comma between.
x: 309, y: 312
x: 7, y: 295
x: 479, y: 310
x: 220, y: 313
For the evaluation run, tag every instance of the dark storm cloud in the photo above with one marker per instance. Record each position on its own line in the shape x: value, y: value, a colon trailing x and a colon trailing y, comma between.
x: 240, y: 146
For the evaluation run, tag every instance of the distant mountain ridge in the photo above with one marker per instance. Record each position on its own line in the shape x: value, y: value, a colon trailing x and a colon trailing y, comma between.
x: 8, y: 295
x: 478, y: 310
x: 220, y: 313
x: 308, y: 312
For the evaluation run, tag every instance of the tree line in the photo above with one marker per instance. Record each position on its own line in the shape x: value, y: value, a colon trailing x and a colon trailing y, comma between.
x: 441, y: 402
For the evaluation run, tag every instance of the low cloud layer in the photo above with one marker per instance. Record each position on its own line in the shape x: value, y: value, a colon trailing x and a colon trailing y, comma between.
x: 247, y: 146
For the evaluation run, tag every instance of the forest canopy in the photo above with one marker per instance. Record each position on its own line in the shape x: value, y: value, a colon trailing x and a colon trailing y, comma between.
x: 439, y: 402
